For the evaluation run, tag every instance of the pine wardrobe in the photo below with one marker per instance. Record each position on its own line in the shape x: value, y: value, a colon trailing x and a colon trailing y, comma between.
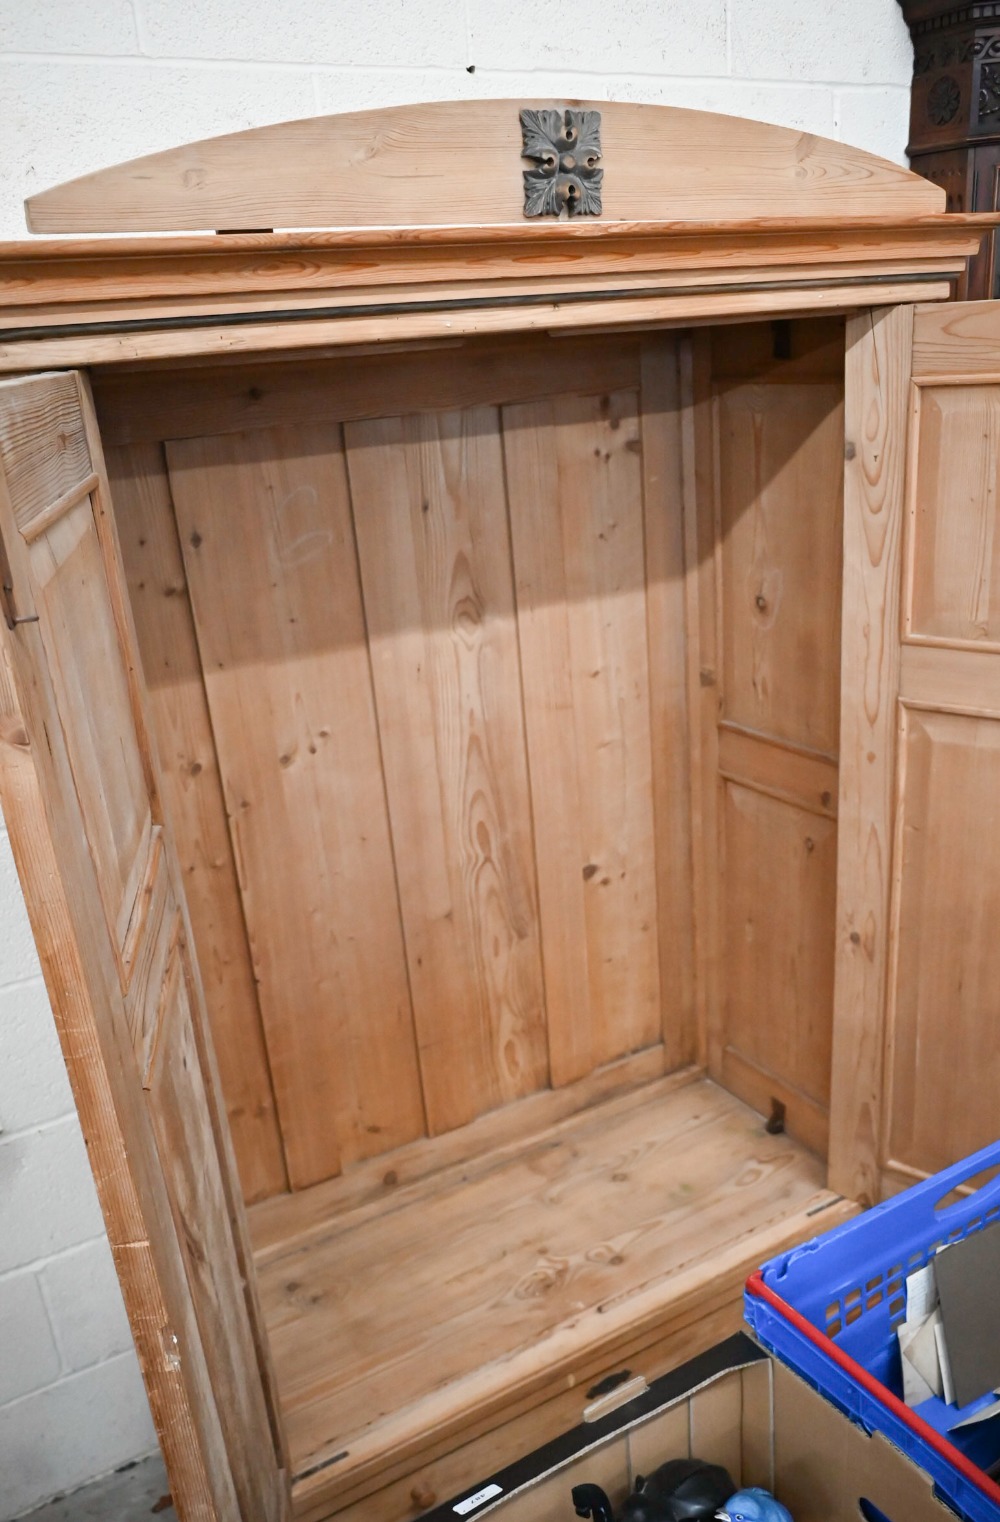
x: 500, y: 737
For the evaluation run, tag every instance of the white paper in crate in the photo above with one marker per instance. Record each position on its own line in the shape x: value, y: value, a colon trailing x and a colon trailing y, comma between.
x: 922, y: 1348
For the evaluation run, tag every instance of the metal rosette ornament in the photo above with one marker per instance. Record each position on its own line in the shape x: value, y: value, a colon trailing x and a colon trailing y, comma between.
x: 565, y: 147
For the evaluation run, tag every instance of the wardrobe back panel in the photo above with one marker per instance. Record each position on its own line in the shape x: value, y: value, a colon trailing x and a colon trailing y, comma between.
x: 265, y: 530
x: 435, y: 563
x: 415, y: 630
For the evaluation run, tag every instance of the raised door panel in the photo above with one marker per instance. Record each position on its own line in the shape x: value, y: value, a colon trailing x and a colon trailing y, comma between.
x: 101, y: 881
x: 954, y: 544
x: 66, y: 561
x: 945, y: 1002
x: 915, y: 1065
x: 182, y: 1113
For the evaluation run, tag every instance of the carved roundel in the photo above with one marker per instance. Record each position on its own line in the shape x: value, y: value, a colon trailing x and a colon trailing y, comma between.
x: 943, y: 100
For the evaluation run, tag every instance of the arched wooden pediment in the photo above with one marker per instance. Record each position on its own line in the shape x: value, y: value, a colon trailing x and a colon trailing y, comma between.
x: 460, y: 163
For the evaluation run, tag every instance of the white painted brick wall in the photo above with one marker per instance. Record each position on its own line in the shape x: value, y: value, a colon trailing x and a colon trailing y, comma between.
x: 85, y: 83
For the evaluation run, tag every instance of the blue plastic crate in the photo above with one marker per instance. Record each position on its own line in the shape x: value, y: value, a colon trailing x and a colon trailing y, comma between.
x: 830, y: 1308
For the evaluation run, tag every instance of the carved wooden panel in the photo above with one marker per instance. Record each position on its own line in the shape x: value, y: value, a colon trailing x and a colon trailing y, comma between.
x: 955, y: 113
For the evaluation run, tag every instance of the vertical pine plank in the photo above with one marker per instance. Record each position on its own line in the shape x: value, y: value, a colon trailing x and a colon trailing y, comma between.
x: 879, y: 348
x: 575, y: 491
x: 662, y: 491
x: 266, y: 536
x: 702, y: 655
x: 434, y: 553
x: 193, y: 797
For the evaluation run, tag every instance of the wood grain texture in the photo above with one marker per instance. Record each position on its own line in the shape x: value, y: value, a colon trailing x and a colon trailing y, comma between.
x: 663, y: 497
x: 192, y: 792
x: 266, y: 535
x: 177, y: 404
x: 469, y: 317
x: 944, y: 1067
x: 67, y: 568
x: 181, y: 1111
x: 950, y: 680
x: 44, y: 447
x: 702, y: 657
x: 436, y: 1479
x: 402, y: 167
x: 146, y: 1254
x: 810, y: 349
x: 379, y: 1183
x: 766, y: 534
x: 780, y: 486
x: 95, y: 907
x: 879, y: 347
x: 940, y: 997
x: 418, y: 277
x: 575, y: 491
x: 806, y: 1119
x: 36, y: 271
x: 244, y: 1327
x: 786, y: 772
x: 616, y: 1256
x: 779, y: 898
x: 953, y: 549
x: 435, y: 560
x: 957, y: 342
x: 156, y: 929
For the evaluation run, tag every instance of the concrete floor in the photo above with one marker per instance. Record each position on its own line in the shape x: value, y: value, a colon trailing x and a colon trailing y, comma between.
x: 134, y: 1494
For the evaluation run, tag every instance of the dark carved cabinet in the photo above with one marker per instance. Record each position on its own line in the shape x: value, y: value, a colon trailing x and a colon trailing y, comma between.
x: 955, y: 114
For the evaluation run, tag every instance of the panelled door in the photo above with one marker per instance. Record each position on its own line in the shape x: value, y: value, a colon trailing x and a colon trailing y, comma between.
x: 917, y: 1055
x: 107, y: 907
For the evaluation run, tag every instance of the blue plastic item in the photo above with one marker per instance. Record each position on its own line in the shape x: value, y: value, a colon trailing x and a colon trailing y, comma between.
x: 849, y: 1286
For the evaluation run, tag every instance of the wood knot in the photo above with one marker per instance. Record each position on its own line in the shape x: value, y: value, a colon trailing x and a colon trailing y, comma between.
x: 13, y: 732
x: 541, y: 1281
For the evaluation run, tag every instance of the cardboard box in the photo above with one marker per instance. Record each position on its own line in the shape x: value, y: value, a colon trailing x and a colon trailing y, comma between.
x: 735, y: 1406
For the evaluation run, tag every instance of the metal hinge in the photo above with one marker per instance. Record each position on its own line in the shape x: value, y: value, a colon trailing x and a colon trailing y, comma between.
x: 11, y: 617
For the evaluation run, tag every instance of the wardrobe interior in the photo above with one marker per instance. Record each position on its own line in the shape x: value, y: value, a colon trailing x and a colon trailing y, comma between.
x: 496, y: 691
